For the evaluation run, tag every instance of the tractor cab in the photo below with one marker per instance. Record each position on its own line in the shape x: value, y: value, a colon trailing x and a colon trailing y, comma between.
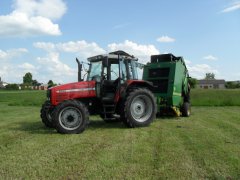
x: 110, y: 71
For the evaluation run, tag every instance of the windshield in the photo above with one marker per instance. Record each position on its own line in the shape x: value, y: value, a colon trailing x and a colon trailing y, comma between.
x: 95, y: 70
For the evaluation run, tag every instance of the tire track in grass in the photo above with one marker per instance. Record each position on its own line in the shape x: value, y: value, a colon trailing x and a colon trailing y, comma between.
x: 60, y: 152
x: 176, y: 161
x: 211, y: 152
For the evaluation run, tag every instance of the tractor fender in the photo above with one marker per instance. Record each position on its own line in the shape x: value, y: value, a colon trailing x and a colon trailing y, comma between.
x: 133, y: 84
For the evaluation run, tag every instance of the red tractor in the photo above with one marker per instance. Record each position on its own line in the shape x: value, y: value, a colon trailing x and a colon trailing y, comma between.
x: 112, y: 90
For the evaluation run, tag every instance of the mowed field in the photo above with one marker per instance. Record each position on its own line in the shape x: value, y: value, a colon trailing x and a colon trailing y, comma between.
x: 203, y: 146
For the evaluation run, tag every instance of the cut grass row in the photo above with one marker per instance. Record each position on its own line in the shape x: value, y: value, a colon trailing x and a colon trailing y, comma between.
x: 199, y: 97
x: 203, y: 146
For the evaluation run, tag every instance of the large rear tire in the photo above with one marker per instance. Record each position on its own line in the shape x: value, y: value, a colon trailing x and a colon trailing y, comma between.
x: 70, y: 117
x: 140, y: 108
x: 46, y: 114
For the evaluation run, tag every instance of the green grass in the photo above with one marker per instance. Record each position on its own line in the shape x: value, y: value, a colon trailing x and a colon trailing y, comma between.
x: 215, y: 97
x: 199, y: 97
x: 203, y: 146
x: 23, y: 98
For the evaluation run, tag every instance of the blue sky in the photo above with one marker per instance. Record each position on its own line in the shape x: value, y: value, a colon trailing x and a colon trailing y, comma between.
x: 44, y: 37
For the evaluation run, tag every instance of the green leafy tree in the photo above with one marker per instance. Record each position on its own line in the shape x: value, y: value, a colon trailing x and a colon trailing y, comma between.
x: 12, y: 87
x: 232, y: 85
x: 51, y: 84
x: 192, y: 82
x: 35, y: 83
x: 27, y: 79
x: 210, y: 76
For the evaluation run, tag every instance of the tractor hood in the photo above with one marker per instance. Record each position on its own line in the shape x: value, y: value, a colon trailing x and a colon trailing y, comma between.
x: 83, y: 89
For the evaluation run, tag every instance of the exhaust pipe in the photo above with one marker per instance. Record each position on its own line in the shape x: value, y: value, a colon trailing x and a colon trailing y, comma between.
x: 79, y: 70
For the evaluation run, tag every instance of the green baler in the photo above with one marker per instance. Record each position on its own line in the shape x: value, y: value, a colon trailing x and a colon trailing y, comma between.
x: 169, y: 76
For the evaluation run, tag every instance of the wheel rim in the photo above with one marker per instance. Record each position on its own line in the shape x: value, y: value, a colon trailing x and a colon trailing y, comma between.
x: 70, y: 118
x: 49, y: 116
x: 189, y: 111
x: 141, y: 108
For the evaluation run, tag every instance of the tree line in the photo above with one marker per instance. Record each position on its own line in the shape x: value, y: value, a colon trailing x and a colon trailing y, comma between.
x: 28, y: 83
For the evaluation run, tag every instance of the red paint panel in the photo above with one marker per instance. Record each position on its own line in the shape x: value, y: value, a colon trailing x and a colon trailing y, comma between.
x: 84, y: 89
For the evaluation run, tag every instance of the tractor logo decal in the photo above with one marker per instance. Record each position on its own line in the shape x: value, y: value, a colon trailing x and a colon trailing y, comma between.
x: 75, y: 90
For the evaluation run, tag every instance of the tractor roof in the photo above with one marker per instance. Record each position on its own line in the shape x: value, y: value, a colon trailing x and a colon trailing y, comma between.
x: 112, y: 55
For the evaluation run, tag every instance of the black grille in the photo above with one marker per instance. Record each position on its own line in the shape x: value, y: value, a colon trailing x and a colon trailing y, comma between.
x: 160, y: 86
x: 158, y: 72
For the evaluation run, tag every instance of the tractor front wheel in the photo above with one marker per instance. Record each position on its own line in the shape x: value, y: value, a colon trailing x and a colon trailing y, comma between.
x: 140, y: 108
x: 46, y: 114
x: 70, y: 117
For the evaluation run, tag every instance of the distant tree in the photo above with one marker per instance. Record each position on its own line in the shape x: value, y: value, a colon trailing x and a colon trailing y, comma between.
x: 51, y: 84
x: 12, y: 87
x: 192, y: 82
x: 35, y: 83
x: 232, y: 85
x: 210, y: 76
x: 27, y: 79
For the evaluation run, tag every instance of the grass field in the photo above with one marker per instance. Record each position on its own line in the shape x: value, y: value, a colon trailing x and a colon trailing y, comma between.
x: 203, y: 146
x: 215, y: 97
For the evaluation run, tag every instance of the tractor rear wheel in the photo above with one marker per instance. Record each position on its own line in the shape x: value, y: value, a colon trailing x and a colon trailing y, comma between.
x: 70, y: 117
x: 186, y: 109
x: 140, y: 108
x: 46, y: 114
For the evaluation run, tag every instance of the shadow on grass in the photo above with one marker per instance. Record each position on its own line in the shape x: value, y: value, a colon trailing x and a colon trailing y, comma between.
x: 167, y: 118
x: 39, y: 128
x: 34, y: 128
x: 101, y: 124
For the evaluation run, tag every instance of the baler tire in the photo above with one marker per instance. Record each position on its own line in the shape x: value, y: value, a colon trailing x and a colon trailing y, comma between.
x: 186, y: 109
x: 46, y: 114
x: 140, y: 108
x: 71, y: 117
x: 187, y: 97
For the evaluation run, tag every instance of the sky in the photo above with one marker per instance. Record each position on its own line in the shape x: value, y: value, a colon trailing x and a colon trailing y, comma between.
x: 45, y: 36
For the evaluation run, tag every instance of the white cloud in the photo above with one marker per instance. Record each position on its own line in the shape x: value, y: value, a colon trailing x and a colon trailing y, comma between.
x: 165, y: 39
x: 27, y: 67
x: 10, y: 71
x: 199, y: 70
x: 32, y: 18
x: 141, y: 51
x: 47, y: 46
x: 5, y: 55
x: 51, y: 67
x: 235, y: 6
x: 210, y: 57
x: 82, y: 48
x: 53, y: 9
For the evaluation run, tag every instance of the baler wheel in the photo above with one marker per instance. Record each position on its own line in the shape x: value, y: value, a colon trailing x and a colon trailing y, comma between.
x: 186, y: 109
x: 70, y: 117
x: 140, y: 108
x: 46, y: 114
